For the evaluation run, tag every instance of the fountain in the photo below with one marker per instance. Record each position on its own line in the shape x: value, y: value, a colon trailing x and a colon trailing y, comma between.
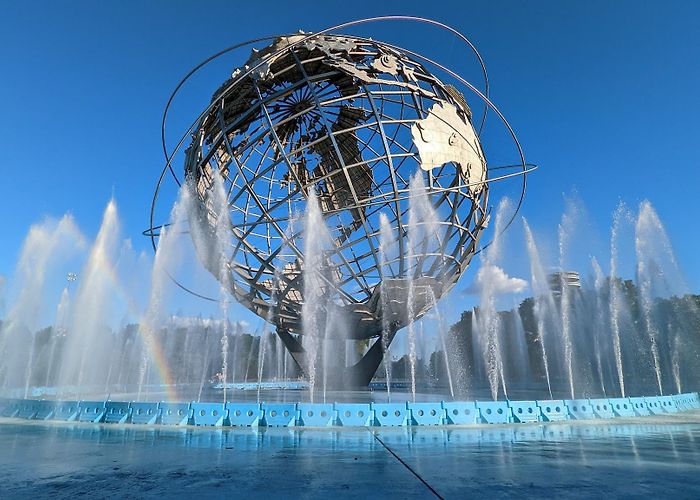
x: 511, y: 351
x: 342, y: 227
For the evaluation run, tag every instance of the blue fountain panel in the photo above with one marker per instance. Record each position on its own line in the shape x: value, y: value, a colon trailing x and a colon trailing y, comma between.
x: 694, y: 400
x: 688, y: 401
x: 211, y: 414
x: 622, y: 407
x: 553, y: 410
x: 353, y: 414
x: 91, y: 411
x: 580, y: 409
x: 45, y: 410
x: 175, y: 413
x: 524, y: 411
x: 602, y: 408
x: 350, y: 414
x: 244, y: 414
x: 144, y: 413
x: 66, y: 410
x: 655, y: 405
x: 426, y: 413
x: 668, y: 404
x: 681, y: 402
x: 461, y: 412
x: 117, y: 412
x: 11, y: 407
x: 316, y: 415
x: 390, y: 414
x: 640, y: 407
x: 494, y: 412
x: 280, y: 415
x: 27, y: 409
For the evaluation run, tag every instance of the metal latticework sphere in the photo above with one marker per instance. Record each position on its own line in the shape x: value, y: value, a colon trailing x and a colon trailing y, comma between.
x: 352, y: 121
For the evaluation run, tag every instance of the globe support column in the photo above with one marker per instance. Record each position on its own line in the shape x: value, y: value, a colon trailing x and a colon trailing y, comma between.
x: 358, y: 375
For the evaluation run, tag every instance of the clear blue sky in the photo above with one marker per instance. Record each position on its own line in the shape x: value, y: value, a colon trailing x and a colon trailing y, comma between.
x: 603, y: 95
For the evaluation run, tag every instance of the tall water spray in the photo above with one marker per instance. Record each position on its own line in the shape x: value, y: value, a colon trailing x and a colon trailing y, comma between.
x: 615, y: 299
x: 544, y: 302
x: 442, y: 338
x: 489, y: 323
x: 565, y: 228
x: 269, y: 320
x: 58, y: 331
x: 600, y: 325
x: 520, y: 363
x: 222, y: 230
x: 85, y: 352
x: 634, y: 335
x: 647, y: 231
x: 43, y: 248
x: 386, y: 244
x: 424, y: 238
x: 3, y: 290
x: 317, y: 279
x: 168, y: 254
x: 675, y: 362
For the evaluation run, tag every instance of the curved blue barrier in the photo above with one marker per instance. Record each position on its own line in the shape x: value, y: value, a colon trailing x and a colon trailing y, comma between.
x: 11, y: 408
x: 316, y: 415
x: 117, y: 412
x: 524, y: 411
x: 45, y: 409
x: 694, y: 400
x: 426, y: 413
x: 655, y: 405
x: 175, y: 413
x: 27, y: 409
x: 244, y: 414
x: 213, y: 414
x: 145, y: 413
x: 494, y: 412
x: 390, y: 414
x: 602, y: 408
x: 66, y: 411
x: 579, y: 409
x: 640, y: 407
x: 553, y: 410
x: 622, y: 407
x: 668, y: 403
x: 461, y: 413
x: 91, y: 411
x: 280, y: 414
x: 448, y: 413
x: 354, y: 414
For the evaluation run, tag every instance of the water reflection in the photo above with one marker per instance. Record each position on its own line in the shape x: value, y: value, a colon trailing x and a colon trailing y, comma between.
x: 675, y: 435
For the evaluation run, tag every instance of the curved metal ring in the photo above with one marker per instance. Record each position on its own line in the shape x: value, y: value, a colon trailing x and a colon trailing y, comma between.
x: 154, y: 231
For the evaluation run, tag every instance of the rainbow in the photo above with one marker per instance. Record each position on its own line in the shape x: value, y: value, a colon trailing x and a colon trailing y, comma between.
x: 150, y: 341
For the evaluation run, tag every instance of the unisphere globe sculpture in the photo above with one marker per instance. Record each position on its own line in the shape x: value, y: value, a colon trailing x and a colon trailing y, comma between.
x: 361, y: 133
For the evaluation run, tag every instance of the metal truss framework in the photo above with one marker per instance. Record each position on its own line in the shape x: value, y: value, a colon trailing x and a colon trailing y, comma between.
x: 339, y: 115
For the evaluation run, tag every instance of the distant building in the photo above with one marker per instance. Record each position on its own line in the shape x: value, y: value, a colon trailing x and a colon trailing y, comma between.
x: 557, y: 281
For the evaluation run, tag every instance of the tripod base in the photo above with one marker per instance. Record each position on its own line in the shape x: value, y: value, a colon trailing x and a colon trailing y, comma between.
x: 358, y: 375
